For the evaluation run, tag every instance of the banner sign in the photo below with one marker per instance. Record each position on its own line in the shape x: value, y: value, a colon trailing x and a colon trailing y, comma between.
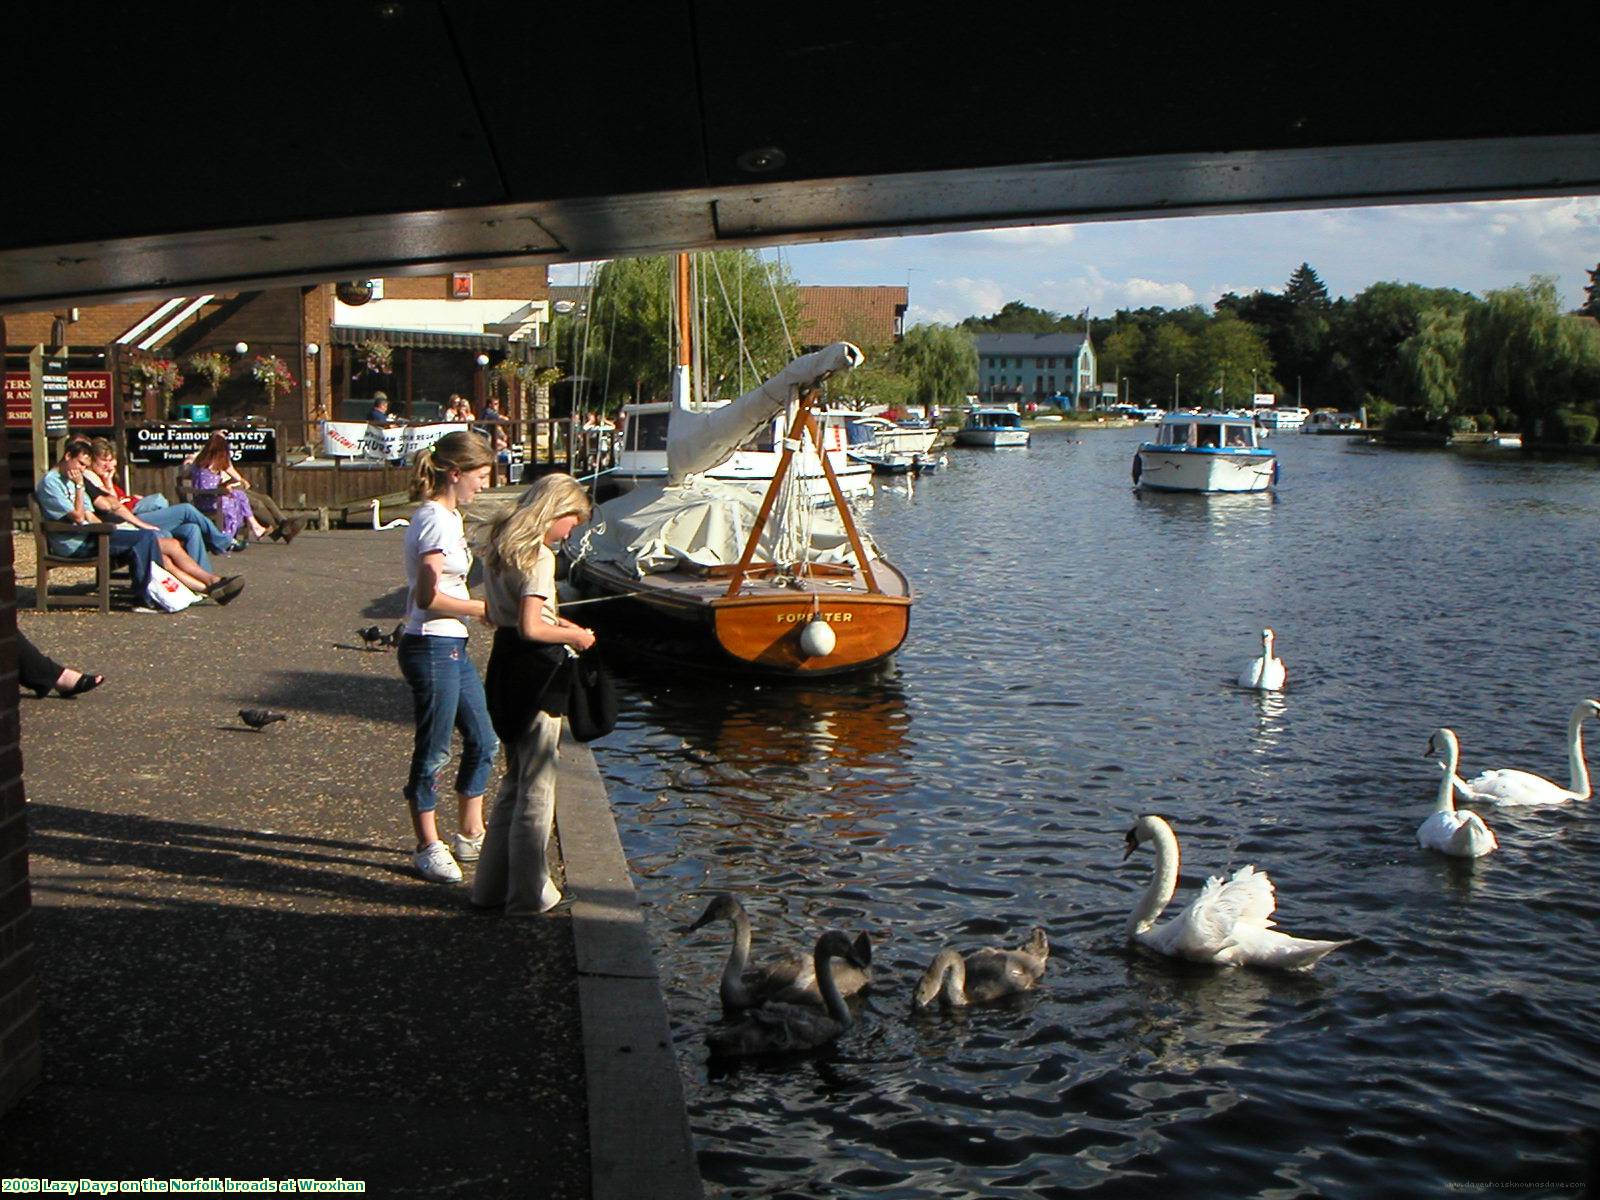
x: 382, y: 443
x: 1265, y: 399
x: 169, y: 445
x: 88, y: 399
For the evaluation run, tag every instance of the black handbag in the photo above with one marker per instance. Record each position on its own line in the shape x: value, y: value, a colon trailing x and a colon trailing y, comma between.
x: 591, y: 697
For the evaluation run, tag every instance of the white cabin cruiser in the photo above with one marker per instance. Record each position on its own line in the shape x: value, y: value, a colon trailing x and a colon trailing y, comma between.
x: 1205, y: 452
x: 993, y: 427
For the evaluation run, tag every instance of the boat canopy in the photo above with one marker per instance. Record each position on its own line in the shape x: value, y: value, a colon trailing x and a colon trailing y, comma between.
x: 698, y: 440
x: 995, y: 418
x: 1206, y: 430
x: 701, y: 523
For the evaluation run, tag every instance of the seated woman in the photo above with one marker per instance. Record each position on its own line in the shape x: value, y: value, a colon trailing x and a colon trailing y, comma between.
x: 228, y: 496
x: 63, y: 496
x: 41, y: 674
x: 185, y: 522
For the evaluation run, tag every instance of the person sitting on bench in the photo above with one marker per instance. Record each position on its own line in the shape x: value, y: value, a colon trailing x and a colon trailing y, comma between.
x: 185, y: 522
x: 240, y: 511
x: 62, y: 496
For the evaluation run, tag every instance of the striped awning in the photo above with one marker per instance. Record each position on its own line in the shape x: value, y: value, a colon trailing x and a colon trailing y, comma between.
x: 417, y: 339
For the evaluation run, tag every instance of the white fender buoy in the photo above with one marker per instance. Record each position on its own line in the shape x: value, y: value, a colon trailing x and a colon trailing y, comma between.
x: 817, y: 639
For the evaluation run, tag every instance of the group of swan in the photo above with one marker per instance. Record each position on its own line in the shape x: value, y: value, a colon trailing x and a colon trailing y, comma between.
x: 798, y: 1003
x: 1464, y: 834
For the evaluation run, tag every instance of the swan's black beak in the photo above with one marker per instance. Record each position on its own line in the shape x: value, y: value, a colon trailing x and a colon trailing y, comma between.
x: 1130, y: 844
x: 1428, y: 753
x: 705, y: 919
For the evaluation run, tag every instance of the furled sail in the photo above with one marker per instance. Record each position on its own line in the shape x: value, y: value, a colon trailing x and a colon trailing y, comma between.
x: 698, y: 441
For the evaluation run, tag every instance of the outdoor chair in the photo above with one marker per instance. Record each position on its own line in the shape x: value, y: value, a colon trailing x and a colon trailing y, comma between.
x: 102, y: 560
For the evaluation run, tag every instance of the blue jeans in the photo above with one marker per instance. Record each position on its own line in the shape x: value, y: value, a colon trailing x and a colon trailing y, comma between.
x: 445, y: 692
x: 193, y: 529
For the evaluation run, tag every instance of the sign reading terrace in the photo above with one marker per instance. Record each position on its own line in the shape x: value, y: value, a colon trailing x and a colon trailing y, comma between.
x: 88, y: 399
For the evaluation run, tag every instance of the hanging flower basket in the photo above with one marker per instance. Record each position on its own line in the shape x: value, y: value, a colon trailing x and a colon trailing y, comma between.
x: 375, y: 357
x: 211, y: 366
x: 272, y: 373
x: 159, y: 375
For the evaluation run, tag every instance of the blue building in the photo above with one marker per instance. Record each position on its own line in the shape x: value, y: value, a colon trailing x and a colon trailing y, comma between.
x: 1015, y: 368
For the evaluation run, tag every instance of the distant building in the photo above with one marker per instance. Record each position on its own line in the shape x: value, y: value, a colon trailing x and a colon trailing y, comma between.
x: 867, y: 316
x: 1020, y: 367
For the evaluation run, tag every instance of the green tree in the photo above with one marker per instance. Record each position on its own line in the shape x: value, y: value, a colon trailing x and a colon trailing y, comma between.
x: 941, y: 363
x: 1524, y: 355
x: 1429, y: 366
x: 632, y: 311
x: 1119, y: 356
x: 1231, y: 358
x: 1369, y: 331
x: 1016, y: 317
x: 1168, y: 364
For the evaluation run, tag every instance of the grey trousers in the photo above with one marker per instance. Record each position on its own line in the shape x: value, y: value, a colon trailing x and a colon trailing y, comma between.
x: 514, y: 865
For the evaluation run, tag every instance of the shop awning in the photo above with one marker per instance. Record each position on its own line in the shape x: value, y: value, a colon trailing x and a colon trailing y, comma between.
x: 417, y: 339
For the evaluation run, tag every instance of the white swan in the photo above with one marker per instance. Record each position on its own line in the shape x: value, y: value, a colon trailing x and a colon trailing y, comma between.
x: 1264, y: 674
x: 790, y: 1028
x: 984, y: 975
x: 792, y: 980
x: 1459, y: 834
x: 1228, y: 924
x: 1524, y: 787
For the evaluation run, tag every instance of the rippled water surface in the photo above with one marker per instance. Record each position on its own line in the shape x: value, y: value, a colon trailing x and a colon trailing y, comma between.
x: 1069, y: 667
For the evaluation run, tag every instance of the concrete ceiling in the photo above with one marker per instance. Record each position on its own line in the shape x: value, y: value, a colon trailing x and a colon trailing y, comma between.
x: 163, y: 149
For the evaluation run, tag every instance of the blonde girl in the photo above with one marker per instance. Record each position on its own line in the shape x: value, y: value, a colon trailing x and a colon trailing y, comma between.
x: 530, y: 647
x: 446, y: 691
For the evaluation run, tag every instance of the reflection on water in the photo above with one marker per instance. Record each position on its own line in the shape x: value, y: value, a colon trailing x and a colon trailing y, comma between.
x: 1071, y: 664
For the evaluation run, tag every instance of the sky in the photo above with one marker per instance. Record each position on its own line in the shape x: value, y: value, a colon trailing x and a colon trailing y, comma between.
x: 1178, y: 261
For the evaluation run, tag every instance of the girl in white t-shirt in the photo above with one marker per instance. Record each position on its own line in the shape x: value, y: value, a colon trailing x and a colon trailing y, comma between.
x: 530, y: 649
x: 446, y: 691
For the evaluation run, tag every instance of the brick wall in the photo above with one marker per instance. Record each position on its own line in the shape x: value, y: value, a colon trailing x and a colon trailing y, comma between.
x: 19, y: 994
x: 507, y: 283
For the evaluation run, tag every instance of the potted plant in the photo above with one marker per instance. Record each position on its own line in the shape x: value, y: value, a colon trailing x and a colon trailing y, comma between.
x: 272, y: 373
x: 211, y: 366
x: 375, y: 357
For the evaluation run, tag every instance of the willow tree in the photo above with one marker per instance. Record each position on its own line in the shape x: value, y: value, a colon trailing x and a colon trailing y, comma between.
x: 1524, y: 355
x: 941, y: 362
x: 1429, y: 365
x: 747, y: 312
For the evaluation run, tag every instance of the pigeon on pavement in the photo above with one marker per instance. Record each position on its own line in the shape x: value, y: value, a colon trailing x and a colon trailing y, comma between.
x: 260, y: 718
x: 372, y: 636
x: 392, y: 638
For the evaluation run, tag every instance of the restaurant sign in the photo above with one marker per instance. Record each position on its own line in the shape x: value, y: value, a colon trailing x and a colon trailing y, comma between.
x: 169, y: 445
x: 88, y: 399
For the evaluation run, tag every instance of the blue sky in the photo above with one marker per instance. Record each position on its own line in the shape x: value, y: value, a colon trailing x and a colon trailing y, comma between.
x: 1187, y: 260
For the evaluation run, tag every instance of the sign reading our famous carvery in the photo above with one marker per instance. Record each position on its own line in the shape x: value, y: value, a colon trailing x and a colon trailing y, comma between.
x: 88, y: 400
x: 168, y: 445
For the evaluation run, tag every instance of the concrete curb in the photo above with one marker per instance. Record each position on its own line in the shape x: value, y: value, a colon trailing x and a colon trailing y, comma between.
x: 639, y: 1140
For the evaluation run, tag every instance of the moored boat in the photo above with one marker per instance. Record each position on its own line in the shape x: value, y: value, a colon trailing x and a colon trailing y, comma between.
x: 993, y: 427
x: 725, y: 576
x: 1205, y: 452
x: 1282, y: 418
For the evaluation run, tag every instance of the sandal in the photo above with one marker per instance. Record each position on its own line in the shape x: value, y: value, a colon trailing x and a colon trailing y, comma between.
x: 86, y: 683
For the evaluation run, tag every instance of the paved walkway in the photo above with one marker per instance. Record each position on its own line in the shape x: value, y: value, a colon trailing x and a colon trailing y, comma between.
x: 240, y: 975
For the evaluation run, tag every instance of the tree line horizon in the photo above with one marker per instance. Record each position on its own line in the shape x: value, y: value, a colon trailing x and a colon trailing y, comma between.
x: 1417, y: 358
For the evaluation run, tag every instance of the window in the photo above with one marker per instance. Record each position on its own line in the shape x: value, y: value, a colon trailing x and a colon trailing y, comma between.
x: 1236, y: 435
x: 1210, y: 435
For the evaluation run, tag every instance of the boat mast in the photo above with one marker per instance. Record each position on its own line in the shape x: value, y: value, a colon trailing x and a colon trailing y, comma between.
x: 681, y: 373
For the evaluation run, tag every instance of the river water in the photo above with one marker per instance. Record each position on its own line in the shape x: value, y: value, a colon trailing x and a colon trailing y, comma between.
x: 1069, y: 667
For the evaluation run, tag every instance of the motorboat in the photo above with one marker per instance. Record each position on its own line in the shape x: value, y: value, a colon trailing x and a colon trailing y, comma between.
x: 993, y: 427
x: 890, y: 437
x: 1326, y: 420
x: 1282, y: 418
x: 641, y: 453
x: 1205, y: 452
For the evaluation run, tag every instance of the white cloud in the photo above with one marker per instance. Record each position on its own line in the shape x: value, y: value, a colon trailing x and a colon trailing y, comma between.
x: 1028, y: 237
x: 976, y: 295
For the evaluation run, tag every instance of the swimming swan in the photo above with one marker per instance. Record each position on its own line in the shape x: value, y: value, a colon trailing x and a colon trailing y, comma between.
x: 1264, y: 674
x: 1523, y: 787
x: 984, y: 975
x: 792, y: 980
x: 1460, y: 834
x: 778, y: 1028
x: 1228, y: 924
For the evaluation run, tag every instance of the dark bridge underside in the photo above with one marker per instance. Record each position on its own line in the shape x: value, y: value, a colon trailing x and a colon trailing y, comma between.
x: 162, y: 149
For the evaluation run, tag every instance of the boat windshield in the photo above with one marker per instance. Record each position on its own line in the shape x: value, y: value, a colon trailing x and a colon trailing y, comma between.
x: 1236, y: 435
x: 1177, y: 433
x: 647, y: 431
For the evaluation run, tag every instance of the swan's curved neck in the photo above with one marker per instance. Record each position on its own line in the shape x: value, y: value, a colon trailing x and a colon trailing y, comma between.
x: 837, y: 1008
x: 1446, y: 801
x: 1162, y: 884
x: 1580, y: 769
x: 733, y: 991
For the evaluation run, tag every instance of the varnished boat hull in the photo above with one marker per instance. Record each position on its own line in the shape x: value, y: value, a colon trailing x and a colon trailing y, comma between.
x: 749, y: 633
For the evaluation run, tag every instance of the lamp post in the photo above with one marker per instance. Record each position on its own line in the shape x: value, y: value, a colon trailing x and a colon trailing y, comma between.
x: 1176, y: 375
x: 314, y: 376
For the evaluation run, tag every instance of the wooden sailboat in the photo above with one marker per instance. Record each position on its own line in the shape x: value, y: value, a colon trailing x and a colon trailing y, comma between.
x: 802, y: 618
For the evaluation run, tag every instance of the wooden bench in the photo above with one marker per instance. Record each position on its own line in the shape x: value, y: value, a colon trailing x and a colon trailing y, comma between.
x: 205, y: 499
x: 102, y: 560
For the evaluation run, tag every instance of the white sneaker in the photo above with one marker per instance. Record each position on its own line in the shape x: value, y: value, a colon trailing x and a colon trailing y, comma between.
x: 435, y: 864
x: 466, y: 849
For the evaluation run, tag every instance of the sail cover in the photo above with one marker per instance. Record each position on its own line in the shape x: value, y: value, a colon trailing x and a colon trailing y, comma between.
x: 701, y: 523
x: 698, y: 441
